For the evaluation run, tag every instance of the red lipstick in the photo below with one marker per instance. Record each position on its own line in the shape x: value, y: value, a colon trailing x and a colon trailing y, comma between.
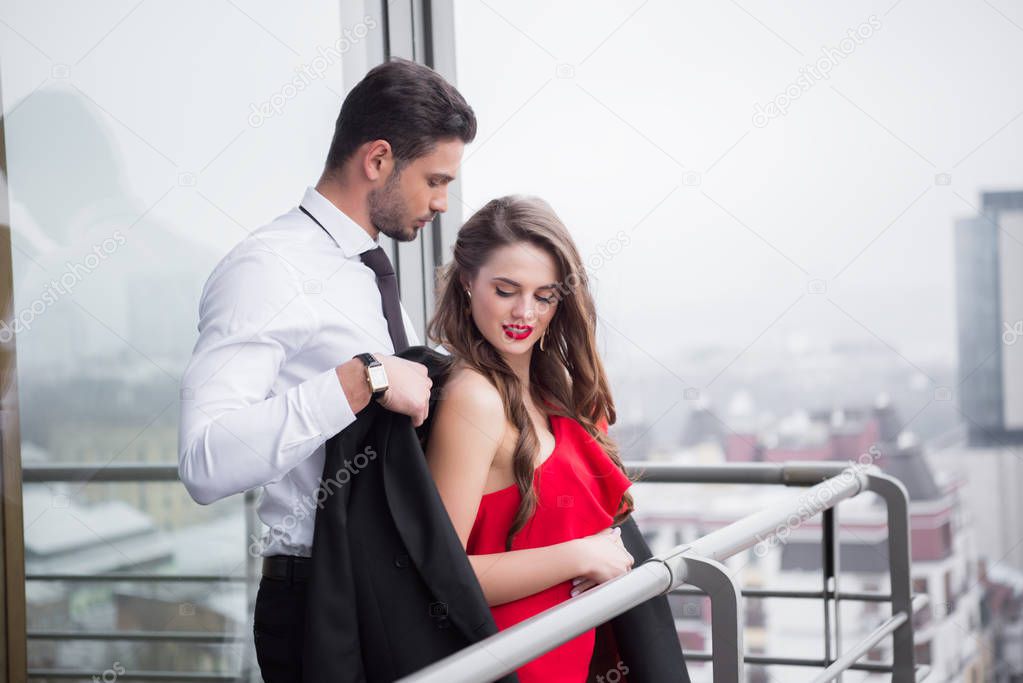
x: 517, y: 332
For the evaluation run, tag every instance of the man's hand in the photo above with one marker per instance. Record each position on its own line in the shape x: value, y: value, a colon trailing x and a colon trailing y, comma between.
x: 408, y: 386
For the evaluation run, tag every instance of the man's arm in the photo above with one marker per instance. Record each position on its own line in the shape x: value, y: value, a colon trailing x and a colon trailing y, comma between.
x: 233, y: 435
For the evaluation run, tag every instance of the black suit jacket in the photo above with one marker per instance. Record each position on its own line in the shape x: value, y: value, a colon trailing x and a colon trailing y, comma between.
x: 392, y: 589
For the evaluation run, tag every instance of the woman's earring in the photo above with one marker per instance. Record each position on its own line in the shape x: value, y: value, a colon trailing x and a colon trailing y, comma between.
x: 468, y: 306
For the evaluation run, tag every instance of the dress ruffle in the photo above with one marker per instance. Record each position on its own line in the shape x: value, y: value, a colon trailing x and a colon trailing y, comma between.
x: 594, y: 470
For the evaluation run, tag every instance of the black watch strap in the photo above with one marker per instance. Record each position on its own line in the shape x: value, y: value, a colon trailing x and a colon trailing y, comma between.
x: 368, y: 359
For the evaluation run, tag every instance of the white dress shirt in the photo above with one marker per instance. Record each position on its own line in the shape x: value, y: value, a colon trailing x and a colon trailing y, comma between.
x: 260, y: 396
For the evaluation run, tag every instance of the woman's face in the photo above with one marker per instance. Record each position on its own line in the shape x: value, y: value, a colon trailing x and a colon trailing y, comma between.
x: 515, y: 296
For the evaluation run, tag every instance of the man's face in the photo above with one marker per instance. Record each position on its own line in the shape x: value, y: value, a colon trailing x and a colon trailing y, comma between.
x: 412, y: 196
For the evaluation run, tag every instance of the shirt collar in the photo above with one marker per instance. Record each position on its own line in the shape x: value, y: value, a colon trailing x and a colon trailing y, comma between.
x: 348, y: 234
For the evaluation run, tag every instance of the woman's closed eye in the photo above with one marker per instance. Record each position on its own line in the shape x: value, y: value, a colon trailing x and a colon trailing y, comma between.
x: 546, y: 300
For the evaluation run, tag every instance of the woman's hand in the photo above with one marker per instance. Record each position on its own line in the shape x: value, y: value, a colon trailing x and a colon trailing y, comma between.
x: 603, y: 557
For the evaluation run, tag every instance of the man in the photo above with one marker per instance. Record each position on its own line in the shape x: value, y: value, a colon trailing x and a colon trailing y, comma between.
x: 298, y: 325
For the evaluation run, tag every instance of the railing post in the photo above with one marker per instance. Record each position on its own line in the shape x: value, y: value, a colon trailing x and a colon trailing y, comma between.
x: 829, y: 565
x: 253, y: 529
x: 899, y: 555
x: 726, y: 624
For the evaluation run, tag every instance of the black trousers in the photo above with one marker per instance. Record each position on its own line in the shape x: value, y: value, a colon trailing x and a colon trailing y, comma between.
x: 278, y: 627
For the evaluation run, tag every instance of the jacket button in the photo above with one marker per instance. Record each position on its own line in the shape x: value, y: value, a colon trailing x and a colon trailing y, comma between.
x: 401, y: 560
x: 439, y: 613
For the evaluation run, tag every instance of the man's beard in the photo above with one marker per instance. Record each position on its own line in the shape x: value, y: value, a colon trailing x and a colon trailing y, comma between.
x: 387, y: 210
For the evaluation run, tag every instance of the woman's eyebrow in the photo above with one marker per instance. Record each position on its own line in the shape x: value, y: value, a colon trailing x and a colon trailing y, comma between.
x: 511, y: 282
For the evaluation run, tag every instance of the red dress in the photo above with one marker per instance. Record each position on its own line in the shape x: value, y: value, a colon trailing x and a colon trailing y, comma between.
x: 579, y: 491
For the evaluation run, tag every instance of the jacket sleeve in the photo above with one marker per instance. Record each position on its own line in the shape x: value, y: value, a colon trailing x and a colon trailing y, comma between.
x: 234, y: 433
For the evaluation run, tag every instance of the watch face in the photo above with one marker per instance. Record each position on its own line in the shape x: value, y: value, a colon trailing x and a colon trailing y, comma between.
x: 378, y: 376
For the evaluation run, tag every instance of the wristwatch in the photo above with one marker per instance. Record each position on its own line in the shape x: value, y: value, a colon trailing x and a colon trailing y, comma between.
x: 376, y: 375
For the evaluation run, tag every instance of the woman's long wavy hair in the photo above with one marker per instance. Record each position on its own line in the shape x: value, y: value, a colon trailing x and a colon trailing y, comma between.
x: 568, y: 375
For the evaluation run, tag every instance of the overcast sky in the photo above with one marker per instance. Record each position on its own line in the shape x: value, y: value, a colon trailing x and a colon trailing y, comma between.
x: 840, y: 188
x: 632, y: 118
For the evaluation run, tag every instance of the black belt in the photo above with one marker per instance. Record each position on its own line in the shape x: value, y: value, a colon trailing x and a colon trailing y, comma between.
x: 287, y: 567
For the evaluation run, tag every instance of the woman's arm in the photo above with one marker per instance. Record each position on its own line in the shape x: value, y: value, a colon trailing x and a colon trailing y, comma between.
x: 512, y: 575
x: 468, y: 426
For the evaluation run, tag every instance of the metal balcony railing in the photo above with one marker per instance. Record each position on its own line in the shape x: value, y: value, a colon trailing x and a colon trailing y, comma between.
x: 697, y: 564
x: 146, y: 473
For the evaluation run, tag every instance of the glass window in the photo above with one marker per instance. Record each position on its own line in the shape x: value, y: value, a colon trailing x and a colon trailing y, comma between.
x: 143, y: 141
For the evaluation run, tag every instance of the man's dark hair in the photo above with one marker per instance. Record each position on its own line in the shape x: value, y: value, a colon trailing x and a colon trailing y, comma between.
x: 409, y: 105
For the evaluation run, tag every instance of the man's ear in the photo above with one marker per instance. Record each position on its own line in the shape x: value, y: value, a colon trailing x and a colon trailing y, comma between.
x: 377, y: 159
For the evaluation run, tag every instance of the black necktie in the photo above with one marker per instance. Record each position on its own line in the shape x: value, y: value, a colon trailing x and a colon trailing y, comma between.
x: 387, y: 283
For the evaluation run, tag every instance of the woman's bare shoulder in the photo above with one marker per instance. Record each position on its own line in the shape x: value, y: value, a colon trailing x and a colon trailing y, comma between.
x: 469, y: 399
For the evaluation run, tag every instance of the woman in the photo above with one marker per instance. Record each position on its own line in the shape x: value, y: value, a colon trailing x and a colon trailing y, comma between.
x: 519, y: 447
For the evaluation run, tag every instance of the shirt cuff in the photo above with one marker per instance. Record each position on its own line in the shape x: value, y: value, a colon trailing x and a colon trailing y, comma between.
x: 329, y: 405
